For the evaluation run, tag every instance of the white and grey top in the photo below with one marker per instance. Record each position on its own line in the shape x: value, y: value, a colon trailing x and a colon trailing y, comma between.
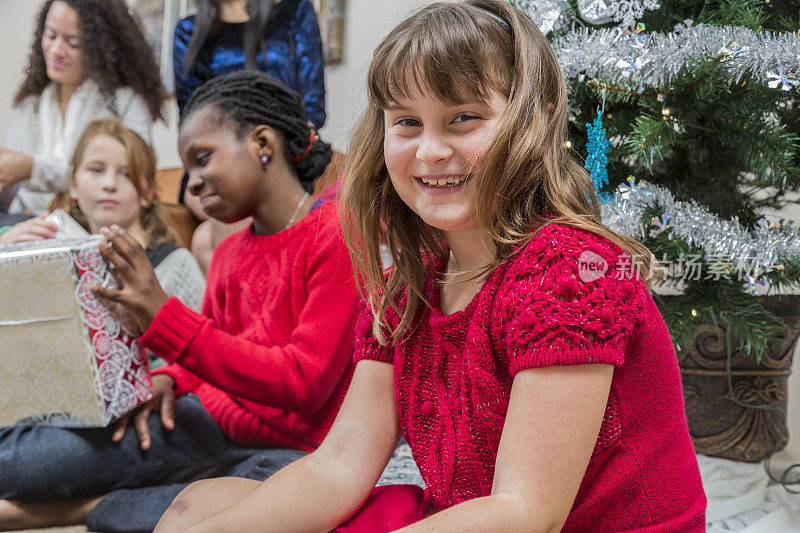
x: 37, y: 127
x: 179, y: 275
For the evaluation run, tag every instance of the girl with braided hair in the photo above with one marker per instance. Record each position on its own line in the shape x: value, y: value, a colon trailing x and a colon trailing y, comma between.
x: 259, y: 374
x: 90, y: 59
x: 279, y: 38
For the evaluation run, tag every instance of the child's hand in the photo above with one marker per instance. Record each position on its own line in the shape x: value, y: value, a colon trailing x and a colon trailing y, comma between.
x: 163, y: 401
x: 140, y: 292
x: 35, y: 229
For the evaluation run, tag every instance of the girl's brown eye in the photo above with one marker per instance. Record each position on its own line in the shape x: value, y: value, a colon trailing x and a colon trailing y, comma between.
x: 408, y: 122
x: 463, y: 117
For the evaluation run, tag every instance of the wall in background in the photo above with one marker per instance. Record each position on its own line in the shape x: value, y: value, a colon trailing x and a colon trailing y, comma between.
x: 16, y: 21
x: 367, y: 22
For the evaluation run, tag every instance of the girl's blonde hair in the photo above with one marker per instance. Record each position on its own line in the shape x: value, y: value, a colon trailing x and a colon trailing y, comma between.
x: 142, y: 172
x: 458, y: 52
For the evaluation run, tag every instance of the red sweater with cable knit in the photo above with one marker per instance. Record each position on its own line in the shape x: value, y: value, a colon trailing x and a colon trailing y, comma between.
x: 563, y: 300
x: 271, y: 354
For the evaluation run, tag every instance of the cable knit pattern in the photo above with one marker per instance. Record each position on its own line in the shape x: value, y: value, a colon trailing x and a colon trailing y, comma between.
x: 270, y: 355
x: 553, y: 316
x: 453, y: 377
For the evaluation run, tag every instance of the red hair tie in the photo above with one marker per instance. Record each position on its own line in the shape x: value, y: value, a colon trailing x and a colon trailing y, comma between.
x: 311, y: 142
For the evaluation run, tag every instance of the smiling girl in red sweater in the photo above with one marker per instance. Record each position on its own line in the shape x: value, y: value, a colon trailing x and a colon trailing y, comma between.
x: 536, y: 393
x: 260, y: 373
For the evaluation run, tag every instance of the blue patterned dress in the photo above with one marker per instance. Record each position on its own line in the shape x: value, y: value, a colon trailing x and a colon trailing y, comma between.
x: 292, y: 53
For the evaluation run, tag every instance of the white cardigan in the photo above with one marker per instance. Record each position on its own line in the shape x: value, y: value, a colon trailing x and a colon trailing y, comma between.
x: 36, y: 127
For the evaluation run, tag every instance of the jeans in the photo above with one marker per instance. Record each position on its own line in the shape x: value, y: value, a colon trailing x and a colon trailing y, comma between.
x: 40, y: 464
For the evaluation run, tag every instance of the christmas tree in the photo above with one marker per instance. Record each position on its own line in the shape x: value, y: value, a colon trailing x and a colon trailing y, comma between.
x: 700, y: 100
x: 687, y: 115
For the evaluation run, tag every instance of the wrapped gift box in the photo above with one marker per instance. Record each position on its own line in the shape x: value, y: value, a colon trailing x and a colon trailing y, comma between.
x: 65, y: 358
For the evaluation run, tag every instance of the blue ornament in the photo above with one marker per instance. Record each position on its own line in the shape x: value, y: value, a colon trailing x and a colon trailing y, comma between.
x: 596, y: 160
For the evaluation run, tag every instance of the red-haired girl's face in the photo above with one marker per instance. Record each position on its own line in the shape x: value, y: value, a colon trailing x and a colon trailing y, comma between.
x: 432, y: 150
x: 61, y: 45
x: 102, y: 187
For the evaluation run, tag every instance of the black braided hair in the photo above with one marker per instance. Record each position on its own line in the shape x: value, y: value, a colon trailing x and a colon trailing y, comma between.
x: 249, y: 98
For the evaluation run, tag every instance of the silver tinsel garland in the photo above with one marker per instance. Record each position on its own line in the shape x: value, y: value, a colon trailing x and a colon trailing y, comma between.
x: 546, y: 14
x: 754, y: 253
x: 626, y: 12
x: 637, y: 60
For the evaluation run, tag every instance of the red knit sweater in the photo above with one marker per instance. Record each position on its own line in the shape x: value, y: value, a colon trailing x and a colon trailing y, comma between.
x: 453, y: 377
x: 271, y: 354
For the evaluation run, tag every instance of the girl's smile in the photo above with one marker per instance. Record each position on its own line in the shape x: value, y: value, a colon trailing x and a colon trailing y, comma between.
x: 444, y: 181
x: 433, y: 150
x: 207, y: 199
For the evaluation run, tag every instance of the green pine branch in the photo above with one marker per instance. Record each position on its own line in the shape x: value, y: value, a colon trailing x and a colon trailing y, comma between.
x: 731, y: 145
x: 724, y: 302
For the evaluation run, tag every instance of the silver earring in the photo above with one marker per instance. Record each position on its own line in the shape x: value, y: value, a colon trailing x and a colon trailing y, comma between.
x: 264, y: 161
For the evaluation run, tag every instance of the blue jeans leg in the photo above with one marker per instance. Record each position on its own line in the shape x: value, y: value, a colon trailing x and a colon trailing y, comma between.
x: 39, y: 464
x: 261, y: 463
x: 133, y: 510
x: 138, y: 510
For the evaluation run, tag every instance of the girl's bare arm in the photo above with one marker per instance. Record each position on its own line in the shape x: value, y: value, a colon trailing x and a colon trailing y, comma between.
x: 321, y: 490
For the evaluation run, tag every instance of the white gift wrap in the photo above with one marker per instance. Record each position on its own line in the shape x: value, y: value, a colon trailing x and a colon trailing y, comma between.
x: 65, y: 359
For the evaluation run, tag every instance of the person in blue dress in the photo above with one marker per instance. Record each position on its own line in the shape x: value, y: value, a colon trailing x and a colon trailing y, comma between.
x: 281, y: 39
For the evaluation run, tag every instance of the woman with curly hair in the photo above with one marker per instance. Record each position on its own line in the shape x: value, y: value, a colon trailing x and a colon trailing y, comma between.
x: 89, y: 60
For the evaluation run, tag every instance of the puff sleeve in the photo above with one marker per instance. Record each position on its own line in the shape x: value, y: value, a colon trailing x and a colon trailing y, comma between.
x: 569, y: 298
x: 366, y: 345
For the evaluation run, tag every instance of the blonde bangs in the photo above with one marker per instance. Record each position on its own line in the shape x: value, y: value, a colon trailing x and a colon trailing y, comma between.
x: 410, y: 61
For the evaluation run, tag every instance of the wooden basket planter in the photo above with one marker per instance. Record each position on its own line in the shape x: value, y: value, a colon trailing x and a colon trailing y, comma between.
x: 718, y: 426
